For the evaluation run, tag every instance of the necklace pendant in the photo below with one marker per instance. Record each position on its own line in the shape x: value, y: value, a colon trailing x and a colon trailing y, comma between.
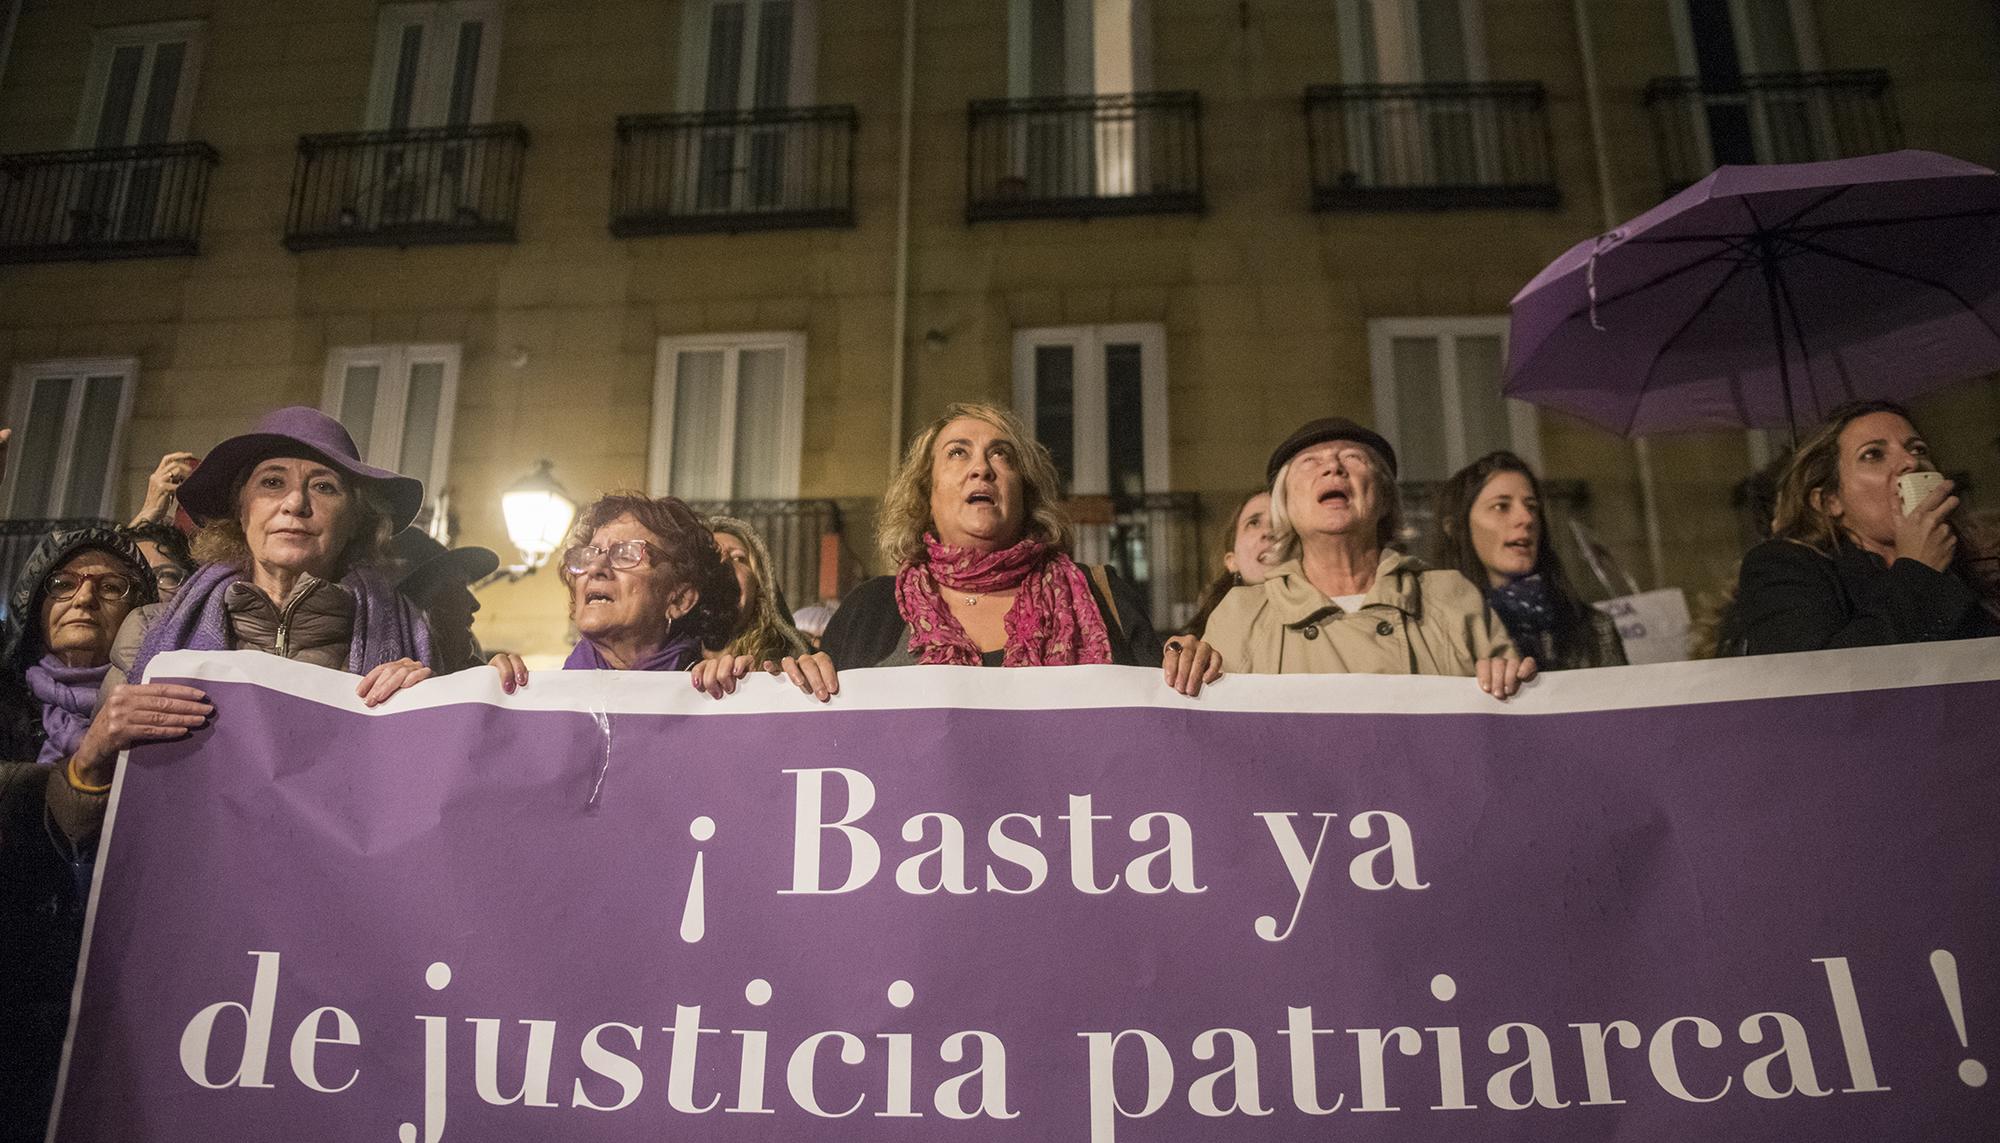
x: 972, y: 601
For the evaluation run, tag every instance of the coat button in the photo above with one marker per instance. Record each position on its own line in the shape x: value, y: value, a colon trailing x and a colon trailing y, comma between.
x: 1312, y: 632
x: 1383, y: 628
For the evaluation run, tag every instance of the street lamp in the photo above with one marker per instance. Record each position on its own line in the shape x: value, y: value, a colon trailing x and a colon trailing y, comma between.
x: 538, y: 513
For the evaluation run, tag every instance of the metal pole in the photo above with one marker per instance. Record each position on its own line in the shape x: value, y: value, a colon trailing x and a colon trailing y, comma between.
x: 1642, y: 451
x: 900, y: 352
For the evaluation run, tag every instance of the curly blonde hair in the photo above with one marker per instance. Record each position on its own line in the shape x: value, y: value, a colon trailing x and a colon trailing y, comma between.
x: 906, y: 506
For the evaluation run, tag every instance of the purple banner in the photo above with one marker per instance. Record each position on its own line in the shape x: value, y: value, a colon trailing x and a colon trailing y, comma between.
x: 1756, y: 899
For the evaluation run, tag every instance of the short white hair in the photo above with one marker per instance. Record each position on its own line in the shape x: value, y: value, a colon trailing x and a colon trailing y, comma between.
x: 1388, y: 524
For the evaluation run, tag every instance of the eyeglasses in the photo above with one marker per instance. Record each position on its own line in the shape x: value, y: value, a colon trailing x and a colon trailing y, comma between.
x: 110, y: 585
x: 623, y: 556
x: 169, y: 577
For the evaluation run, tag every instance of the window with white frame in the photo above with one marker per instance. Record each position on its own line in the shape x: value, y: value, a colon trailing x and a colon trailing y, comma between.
x: 746, y: 55
x: 1096, y: 397
x: 1722, y: 42
x: 728, y: 416
x: 435, y: 64
x: 1417, y: 142
x: 138, y: 92
x: 1411, y: 41
x: 397, y: 401
x: 1079, y: 48
x: 140, y: 87
x: 1437, y: 394
x: 69, y: 423
x: 737, y: 55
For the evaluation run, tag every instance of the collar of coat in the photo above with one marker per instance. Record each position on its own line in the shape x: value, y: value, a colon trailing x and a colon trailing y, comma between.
x: 1296, y: 602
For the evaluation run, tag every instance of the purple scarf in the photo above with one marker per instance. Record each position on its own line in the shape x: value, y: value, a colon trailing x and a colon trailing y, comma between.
x: 387, y: 627
x: 68, y: 696
x: 680, y: 653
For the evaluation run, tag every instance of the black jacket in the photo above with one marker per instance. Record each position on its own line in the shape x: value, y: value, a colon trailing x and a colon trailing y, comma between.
x: 868, y: 629
x: 1789, y: 597
x: 43, y: 888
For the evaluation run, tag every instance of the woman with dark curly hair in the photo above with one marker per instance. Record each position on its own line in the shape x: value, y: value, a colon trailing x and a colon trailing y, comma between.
x: 648, y: 590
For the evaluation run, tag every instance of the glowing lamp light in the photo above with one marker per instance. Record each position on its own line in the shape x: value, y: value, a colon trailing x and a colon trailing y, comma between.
x: 538, y: 513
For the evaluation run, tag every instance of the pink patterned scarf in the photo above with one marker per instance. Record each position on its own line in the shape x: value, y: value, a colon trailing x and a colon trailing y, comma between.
x: 1054, y: 619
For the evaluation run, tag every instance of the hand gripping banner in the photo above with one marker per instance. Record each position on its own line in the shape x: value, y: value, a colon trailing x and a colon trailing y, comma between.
x: 1756, y: 899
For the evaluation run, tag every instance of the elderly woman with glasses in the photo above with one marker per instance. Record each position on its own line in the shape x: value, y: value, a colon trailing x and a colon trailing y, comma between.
x: 648, y: 590
x: 71, y: 596
x: 69, y: 601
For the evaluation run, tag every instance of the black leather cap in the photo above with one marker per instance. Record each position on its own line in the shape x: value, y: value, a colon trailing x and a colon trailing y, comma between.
x: 1328, y: 429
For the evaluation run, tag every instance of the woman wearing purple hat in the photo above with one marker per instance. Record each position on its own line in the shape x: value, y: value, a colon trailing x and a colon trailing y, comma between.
x: 293, y: 547
x: 1340, y: 598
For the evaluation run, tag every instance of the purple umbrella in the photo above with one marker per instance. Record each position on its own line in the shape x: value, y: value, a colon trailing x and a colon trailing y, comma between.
x: 1761, y: 297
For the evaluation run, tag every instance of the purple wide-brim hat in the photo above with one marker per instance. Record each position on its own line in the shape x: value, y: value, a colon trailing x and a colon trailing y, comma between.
x: 295, y: 431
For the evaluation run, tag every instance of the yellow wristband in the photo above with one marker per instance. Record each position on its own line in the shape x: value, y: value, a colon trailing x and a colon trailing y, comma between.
x: 78, y: 784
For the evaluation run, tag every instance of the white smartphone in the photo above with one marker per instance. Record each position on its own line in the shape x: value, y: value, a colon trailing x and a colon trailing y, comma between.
x: 1914, y: 487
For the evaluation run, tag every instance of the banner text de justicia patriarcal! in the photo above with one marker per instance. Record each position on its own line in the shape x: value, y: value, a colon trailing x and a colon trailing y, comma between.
x: 1749, y: 899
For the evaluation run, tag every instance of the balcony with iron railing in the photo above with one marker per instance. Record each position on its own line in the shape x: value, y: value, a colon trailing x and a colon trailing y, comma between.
x: 426, y: 186
x: 1793, y: 117
x: 118, y: 202
x: 1155, y: 540
x: 1083, y: 156
x: 768, y: 169
x: 1436, y: 146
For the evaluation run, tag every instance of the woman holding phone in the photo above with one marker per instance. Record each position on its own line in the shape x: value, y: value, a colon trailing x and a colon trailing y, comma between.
x: 1850, y: 562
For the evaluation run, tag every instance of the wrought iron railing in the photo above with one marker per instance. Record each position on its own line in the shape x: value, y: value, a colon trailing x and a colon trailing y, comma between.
x: 1430, y: 146
x: 805, y: 538
x: 1154, y: 540
x: 768, y: 169
x: 1082, y: 156
x: 118, y: 202
x: 407, y: 188
x: 18, y: 539
x: 1792, y: 117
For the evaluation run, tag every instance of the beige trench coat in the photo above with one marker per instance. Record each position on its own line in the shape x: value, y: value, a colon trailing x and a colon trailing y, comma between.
x: 1412, y: 622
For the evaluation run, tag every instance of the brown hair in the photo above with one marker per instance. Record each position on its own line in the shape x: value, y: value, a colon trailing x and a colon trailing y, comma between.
x: 906, y: 505
x: 689, y: 559
x: 221, y: 540
x: 1814, y: 472
x: 765, y: 632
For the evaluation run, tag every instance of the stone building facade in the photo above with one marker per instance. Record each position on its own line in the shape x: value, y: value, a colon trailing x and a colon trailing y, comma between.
x: 738, y: 249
